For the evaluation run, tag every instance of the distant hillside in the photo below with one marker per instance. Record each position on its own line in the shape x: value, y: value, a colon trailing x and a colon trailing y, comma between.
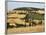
x: 32, y: 15
x: 28, y: 8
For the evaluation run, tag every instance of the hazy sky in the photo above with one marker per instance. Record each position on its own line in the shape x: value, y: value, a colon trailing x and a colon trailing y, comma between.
x: 12, y: 5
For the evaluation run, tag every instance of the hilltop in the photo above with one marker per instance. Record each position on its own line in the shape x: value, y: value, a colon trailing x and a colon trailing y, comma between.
x: 28, y: 8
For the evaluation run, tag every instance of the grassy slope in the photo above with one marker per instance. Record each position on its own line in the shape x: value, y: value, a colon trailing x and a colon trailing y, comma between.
x: 36, y: 16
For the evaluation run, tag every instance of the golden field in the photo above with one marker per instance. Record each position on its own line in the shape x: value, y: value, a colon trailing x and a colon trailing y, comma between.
x: 25, y: 21
x: 37, y: 28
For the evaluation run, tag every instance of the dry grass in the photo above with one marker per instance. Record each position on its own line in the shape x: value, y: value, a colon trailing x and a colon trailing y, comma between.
x: 38, y: 28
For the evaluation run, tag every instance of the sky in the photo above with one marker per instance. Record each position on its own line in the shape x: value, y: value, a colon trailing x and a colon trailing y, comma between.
x: 13, y: 5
